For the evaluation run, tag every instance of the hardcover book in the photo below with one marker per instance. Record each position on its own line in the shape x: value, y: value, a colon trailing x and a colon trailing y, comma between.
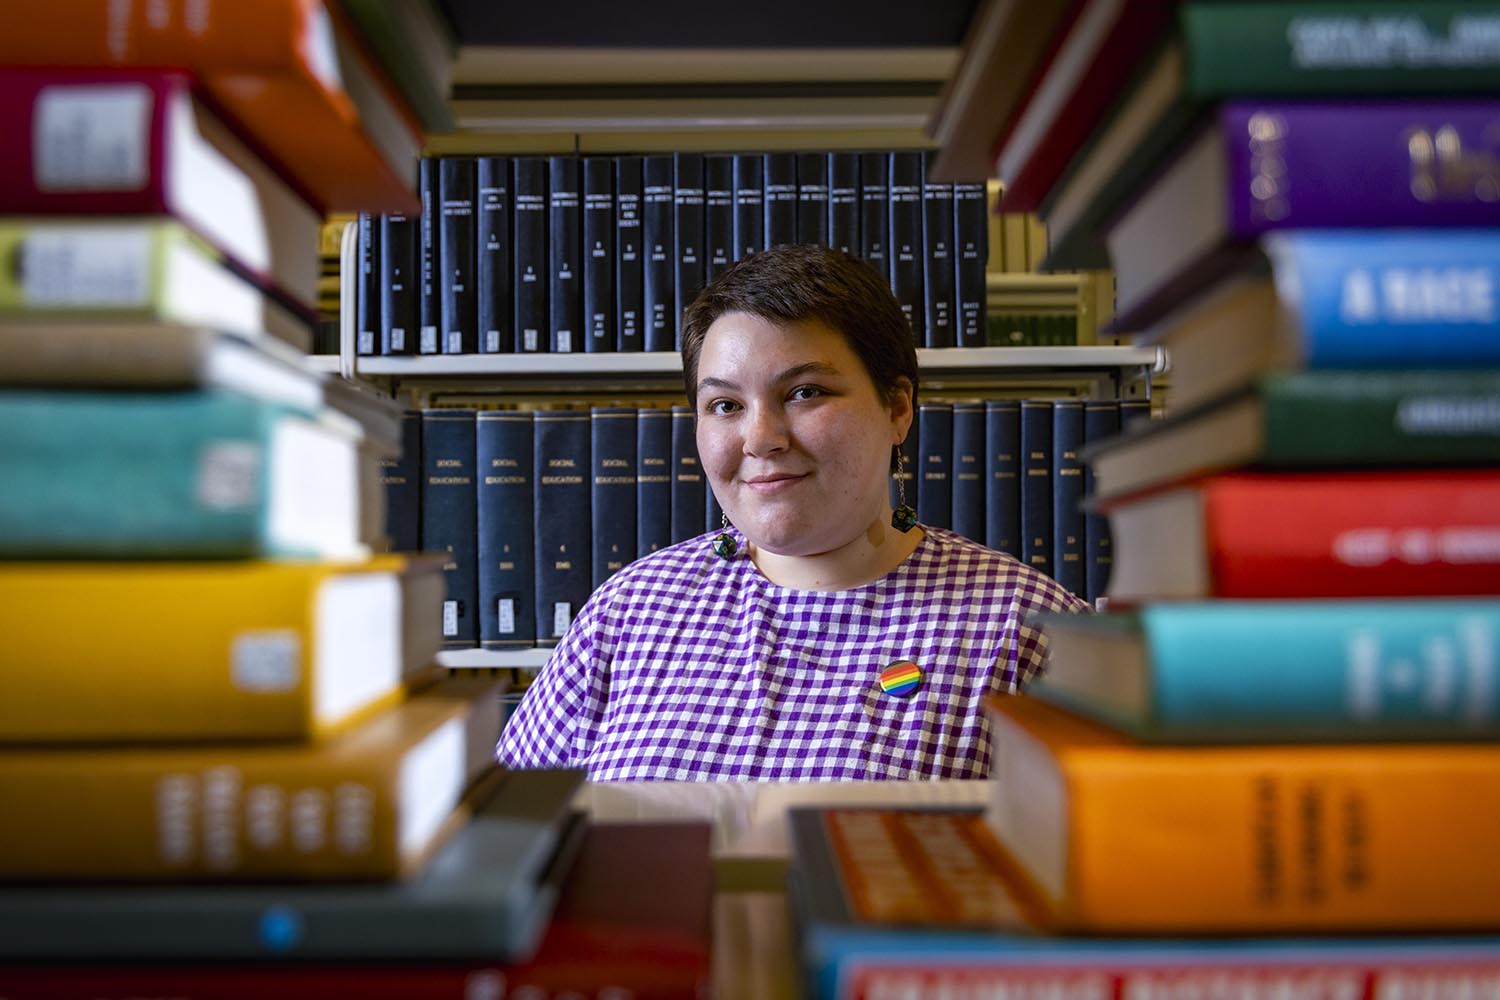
x: 779, y: 192
x: 397, y: 284
x: 935, y: 464
x: 367, y: 291
x: 401, y: 476
x: 689, y: 488
x: 938, y: 262
x: 688, y: 228
x: 658, y: 241
x: 562, y: 520
x: 749, y: 205
x: 875, y: 210
x: 718, y: 213
x: 812, y: 198
x: 843, y: 202
x: 653, y: 493
x: 630, y: 302
x: 613, y: 489
x: 429, y: 267
x: 529, y: 288
x: 1101, y: 421
x: 1036, y: 484
x: 906, y: 252
x: 971, y: 250
x: 599, y: 253
x: 457, y: 304
x: 968, y: 471
x: 449, y: 517
x: 1067, y: 492
x: 494, y: 268
x: 1002, y: 435
x: 504, y: 440
x: 565, y: 255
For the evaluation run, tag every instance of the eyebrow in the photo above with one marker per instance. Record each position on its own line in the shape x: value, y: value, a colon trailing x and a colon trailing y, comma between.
x: 796, y: 371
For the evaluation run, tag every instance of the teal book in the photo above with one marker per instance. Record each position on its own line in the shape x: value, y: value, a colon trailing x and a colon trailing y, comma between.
x: 1282, y: 671
x: 194, y: 474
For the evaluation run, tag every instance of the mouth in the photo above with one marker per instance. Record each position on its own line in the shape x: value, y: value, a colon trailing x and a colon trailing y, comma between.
x: 774, y: 483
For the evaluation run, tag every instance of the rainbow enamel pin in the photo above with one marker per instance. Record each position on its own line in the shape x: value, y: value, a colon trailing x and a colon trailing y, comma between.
x: 900, y: 678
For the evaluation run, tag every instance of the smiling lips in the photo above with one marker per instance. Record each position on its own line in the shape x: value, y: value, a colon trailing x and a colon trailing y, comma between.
x: 774, y: 483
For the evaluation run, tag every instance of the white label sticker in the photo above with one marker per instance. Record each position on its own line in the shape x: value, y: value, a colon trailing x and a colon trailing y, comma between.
x: 507, y: 614
x: 529, y: 340
x: 82, y: 267
x: 455, y: 342
x: 92, y: 138
x: 228, y: 475
x: 365, y: 342
x: 266, y: 661
x: 397, y: 339
x: 450, y: 618
x: 564, y: 341
x: 562, y: 615
x: 492, y: 341
x: 427, y: 344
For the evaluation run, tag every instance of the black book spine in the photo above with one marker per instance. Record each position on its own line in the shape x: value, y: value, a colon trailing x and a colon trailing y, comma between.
x: 937, y: 260
x: 971, y: 242
x: 718, y: 212
x: 599, y: 253
x: 629, y: 292
x: 812, y: 198
x: 561, y: 520
x: 688, y: 501
x: 398, y: 289
x: 688, y: 226
x: 429, y: 267
x: 779, y: 190
x: 507, y: 613
x: 565, y: 267
x: 935, y: 460
x: 529, y: 251
x: 1067, y: 494
x: 653, y: 482
x: 968, y: 470
x: 906, y: 480
x: 660, y: 246
x: 459, y: 305
x: 494, y: 265
x: 1036, y: 484
x: 1101, y: 420
x: 875, y: 210
x: 367, y: 285
x: 843, y: 202
x: 612, y: 451
x: 449, y: 517
x: 749, y: 205
x: 1002, y: 442
x: 402, y: 478
x: 906, y: 239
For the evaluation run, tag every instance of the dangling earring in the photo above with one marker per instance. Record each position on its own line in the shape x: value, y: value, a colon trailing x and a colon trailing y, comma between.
x: 724, y: 544
x: 903, y: 518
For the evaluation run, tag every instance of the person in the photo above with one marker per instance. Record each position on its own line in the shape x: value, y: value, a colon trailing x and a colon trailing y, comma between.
x: 820, y: 635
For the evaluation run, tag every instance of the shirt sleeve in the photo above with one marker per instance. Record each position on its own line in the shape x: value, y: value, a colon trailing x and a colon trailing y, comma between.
x: 561, y: 712
x: 1025, y: 654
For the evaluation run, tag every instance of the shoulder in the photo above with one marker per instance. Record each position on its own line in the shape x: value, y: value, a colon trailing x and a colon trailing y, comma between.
x: 989, y: 574
x: 673, y: 574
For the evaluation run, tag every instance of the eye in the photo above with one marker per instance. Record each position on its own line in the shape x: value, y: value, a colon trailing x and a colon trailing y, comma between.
x: 721, y: 407
x: 807, y: 392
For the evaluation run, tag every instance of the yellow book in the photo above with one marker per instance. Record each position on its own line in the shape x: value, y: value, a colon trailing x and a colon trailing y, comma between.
x: 1013, y: 232
x: 1036, y: 242
x: 211, y: 650
x: 368, y: 804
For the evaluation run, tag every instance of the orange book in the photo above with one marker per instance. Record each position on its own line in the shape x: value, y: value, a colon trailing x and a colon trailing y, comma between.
x: 283, y: 72
x: 1121, y: 838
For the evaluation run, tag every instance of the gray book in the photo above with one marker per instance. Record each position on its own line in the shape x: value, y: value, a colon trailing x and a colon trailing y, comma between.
x: 487, y: 894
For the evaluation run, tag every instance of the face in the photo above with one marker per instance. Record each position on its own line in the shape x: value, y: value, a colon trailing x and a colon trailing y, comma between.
x: 793, y: 434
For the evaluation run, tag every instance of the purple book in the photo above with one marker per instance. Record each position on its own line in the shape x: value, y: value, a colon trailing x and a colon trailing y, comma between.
x: 1258, y: 166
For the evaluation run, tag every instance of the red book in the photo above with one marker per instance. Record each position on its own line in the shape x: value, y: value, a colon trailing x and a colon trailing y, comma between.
x: 1317, y: 534
x: 633, y: 920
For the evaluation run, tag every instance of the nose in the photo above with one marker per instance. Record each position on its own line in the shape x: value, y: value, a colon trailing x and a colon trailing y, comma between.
x: 765, y: 431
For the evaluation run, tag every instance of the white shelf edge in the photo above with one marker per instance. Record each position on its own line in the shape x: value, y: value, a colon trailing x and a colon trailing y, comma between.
x: 477, y: 659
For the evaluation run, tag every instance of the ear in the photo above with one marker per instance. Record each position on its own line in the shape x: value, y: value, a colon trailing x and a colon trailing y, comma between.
x: 901, y: 410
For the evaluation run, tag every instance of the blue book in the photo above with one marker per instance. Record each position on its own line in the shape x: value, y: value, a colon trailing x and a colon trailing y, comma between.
x: 402, y: 478
x: 565, y: 254
x: 1101, y: 420
x: 971, y: 249
x: 875, y: 210
x: 530, y: 255
x: 398, y: 289
x: 688, y: 488
x: 507, y: 558
x: 1244, y: 671
x: 1067, y: 495
x: 812, y: 198
x: 429, y: 304
x: 906, y: 256
x: 969, y: 470
x: 562, y: 519
x: 843, y: 202
x: 1002, y: 458
x: 779, y: 192
x: 653, y: 481
x: 494, y: 264
x: 599, y: 253
x: 456, y: 301
x: 937, y: 261
x: 688, y: 258
x: 630, y: 294
x: 1036, y: 484
x: 935, y: 464
x: 718, y: 212
x: 612, y: 450
x: 657, y: 179
x: 367, y: 324
x: 749, y: 205
x: 450, y: 517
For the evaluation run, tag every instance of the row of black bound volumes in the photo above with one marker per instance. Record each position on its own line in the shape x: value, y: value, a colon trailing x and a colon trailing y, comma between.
x: 603, y: 253
x: 537, y: 508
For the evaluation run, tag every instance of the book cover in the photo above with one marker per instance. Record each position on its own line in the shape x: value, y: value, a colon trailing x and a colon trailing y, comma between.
x: 1068, y: 566
x: 935, y: 464
x: 1101, y: 421
x: 397, y: 283
x: 1036, y: 484
x: 875, y: 210
x: 449, y: 517
x: 659, y: 241
x: 493, y: 266
x: 531, y: 254
x: 688, y: 485
x: 971, y: 258
x: 690, y: 261
x: 429, y: 267
x: 565, y: 254
x: 599, y: 253
x: 653, y: 493
x: 938, y: 262
x: 843, y: 202
x: 1002, y: 439
x: 504, y: 440
x: 812, y: 198
x: 1285, y: 838
x: 630, y: 303
x: 906, y: 251
x: 457, y: 304
x: 749, y: 205
x: 968, y: 470
x: 562, y: 520
x: 402, y: 478
x: 718, y: 213
x: 367, y: 281
x: 779, y: 193
x: 613, y: 489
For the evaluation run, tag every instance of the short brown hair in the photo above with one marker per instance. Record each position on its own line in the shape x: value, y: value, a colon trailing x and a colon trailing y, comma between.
x: 798, y: 282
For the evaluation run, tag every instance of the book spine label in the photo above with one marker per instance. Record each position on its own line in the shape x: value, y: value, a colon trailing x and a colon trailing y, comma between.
x: 688, y: 229
x: 718, y: 213
x: 429, y: 300
x: 660, y: 246
x: 843, y: 202
x: 1067, y: 494
x: 402, y: 479
x: 779, y: 191
x: 449, y: 516
x: 969, y: 478
x: 530, y: 287
x: 688, y: 500
x: 935, y: 462
x: 613, y: 454
x: 630, y: 302
x: 565, y: 246
x: 367, y: 327
x: 1036, y: 484
x: 507, y: 578
x: 906, y: 239
x: 812, y: 198
x: 459, y: 305
x: 398, y: 292
x: 938, y: 262
x: 494, y: 312
x: 875, y: 210
x: 653, y: 507
x: 562, y: 521
x: 971, y: 248
x: 1002, y: 439
x: 599, y: 253
x: 749, y: 205
x: 1101, y: 420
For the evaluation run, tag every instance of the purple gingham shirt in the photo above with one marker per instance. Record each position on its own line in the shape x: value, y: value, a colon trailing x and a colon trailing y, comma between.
x: 684, y: 666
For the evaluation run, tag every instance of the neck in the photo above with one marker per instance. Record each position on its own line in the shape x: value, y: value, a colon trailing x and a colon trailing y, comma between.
x: 868, y: 557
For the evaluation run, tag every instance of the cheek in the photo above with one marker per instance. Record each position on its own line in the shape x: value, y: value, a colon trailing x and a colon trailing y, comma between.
x: 714, y: 450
